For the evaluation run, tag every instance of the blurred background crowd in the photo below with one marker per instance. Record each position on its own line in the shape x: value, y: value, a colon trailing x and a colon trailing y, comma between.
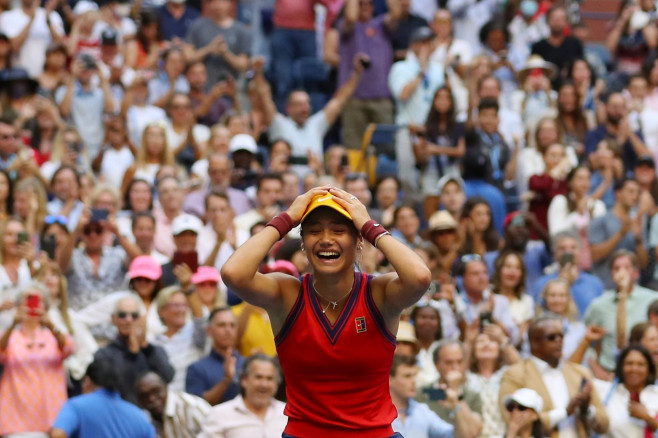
x: 142, y: 142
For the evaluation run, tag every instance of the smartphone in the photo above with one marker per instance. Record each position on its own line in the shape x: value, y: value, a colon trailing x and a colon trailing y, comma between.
x: 22, y: 237
x: 191, y: 259
x: 343, y: 161
x: 567, y: 258
x: 32, y: 303
x: 485, y: 318
x: 48, y: 244
x: 298, y: 160
x: 365, y: 63
x: 435, y: 394
x: 99, y: 214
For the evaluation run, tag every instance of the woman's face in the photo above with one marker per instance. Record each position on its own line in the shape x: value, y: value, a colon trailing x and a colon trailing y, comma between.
x: 485, y: 348
x: 387, y: 193
x: 427, y: 323
x: 443, y: 101
x: 581, y: 72
x: 50, y: 279
x: 330, y: 242
x: 45, y: 120
x: 650, y: 342
x: 144, y: 287
x: 557, y: 298
x: 547, y: 133
x: 511, y: 271
x: 580, y: 182
x: 553, y: 155
x: 140, y: 196
x: 567, y: 98
x: 107, y: 202
x: 635, y: 370
x: 150, y: 31
x: 59, y: 234
x: 207, y: 292
x: 10, y: 238
x: 155, y: 141
x: 481, y: 217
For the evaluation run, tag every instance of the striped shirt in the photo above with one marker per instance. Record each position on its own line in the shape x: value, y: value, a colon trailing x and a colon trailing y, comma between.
x: 184, y: 415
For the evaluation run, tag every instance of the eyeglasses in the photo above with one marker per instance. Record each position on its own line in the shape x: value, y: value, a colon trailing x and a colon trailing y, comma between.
x: 51, y: 219
x: 467, y: 258
x: 92, y: 229
x: 123, y: 315
x: 510, y: 407
x: 552, y: 337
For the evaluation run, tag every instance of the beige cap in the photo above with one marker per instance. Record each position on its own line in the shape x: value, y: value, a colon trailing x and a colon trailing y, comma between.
x: 407, y: 333
x: 442, y: 220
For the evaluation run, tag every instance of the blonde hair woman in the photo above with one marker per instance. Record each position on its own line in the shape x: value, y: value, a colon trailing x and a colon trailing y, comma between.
x: 153, y: 154
x: 68, y: 148
x: 30, y: 203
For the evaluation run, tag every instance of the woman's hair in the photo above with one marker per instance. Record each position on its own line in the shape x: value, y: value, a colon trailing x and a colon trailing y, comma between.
x: 580, y: 122
x: 111, y: 190
x: 3, y: 230
x: 166, y: 156
x: 491, y: 237
x: 498, y: 266
x: 126, y: 195
x: 147, y: 17
x: 414, y: 313
x: 53, y: 268
x: 572, y: 310
x: 619, y: 369
x: 59, y: 144
x: 9, y: 202
x: 571, y: 66
x: 571, y: 203
x: 473, y: 362
x: 638, y: 331
x: 33, y: 184
x: 542, y: 148
x: 434, y: 118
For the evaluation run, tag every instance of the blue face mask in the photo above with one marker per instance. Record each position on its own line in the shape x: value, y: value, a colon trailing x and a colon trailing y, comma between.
x: 529, y: 8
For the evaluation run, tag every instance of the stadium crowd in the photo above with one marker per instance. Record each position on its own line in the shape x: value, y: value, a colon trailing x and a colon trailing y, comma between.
x: 142, y: 142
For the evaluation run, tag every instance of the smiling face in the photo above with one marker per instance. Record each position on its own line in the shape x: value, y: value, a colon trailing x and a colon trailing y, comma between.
x: 174, y: 313
x: 330, y: 240
x: 427, y: 323
x: 511, y: 271
x: 260, y: 383
x: 635, y: 370
x: 485, y: 348
x: 556, y: 298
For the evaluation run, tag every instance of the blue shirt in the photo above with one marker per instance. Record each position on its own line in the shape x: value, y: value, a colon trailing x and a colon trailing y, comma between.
x: 495, y: 198
x: 583, y: 290
x: 103, y: 414
x: 173, y: 27
x: 207, y: 372
x: 608, y: 197
x: 422, y: 422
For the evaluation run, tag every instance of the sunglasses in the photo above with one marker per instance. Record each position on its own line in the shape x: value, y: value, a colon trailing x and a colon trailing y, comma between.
x: 512, y: 406
x: 467, y: 258
x: 92, y: 229
x: 552, y: 337
x: 51, y: 219
x: 123, y: 315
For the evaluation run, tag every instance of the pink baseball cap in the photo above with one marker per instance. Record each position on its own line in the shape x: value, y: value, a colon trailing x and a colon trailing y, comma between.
x: 285, y: 267
x: 204, y: 274
x: 145, y: 267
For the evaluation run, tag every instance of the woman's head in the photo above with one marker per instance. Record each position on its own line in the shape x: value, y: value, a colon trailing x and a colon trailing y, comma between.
x: 510, y: 273
x: 149, y: 28
x: 116, y: 131
x: 145, y: 274
x: 206, y: 281
x: 635, y: 368
x: 12, y: 227
x: 578, y: 181
x: 291, y: 250
x: 556, y: 296
x: 553, y: 155
x: 478, y: 211
x: 387, y: 192
x: 67, y: 146
x: 646, y: 334
x: 580, y: 72
x: 485, y: 348
x: 427, y: 322
x: 138, y: 196
x: 547, y: 133
x: 106, y: 197
x: 568, y: 100
x: 154, y: 145
x: 219, y: 139
x: 495, y: 36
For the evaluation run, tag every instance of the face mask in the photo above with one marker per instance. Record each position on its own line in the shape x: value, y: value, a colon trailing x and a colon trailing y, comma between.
x: 529, y: 8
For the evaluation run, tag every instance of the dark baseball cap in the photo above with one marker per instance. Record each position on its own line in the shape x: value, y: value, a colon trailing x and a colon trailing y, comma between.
x: 109, y: 37
x: 646, y: 160
x: 422, y: 33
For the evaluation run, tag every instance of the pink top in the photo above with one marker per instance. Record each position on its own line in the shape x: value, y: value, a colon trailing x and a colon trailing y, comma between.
x: 163, y: 241
x: 33, y: 383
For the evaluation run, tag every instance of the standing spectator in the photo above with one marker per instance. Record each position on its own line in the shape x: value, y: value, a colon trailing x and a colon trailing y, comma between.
x: 173, y: 413
x: 413, y: 83
x: 221, y: 42
x: 31, y: 29
x: 558, y: 48
x: 169, y: 79
x: 185, y: 138
x: 100, y: 412
x: 214, y: 377
x: 620, y: 228
x: 566, y: 400
x: 152, y: 155
x: 144, y: 51
x: 549, y: 184
x: 33, y: 382
x: 170, y: 195
x: 176, y: 17
x: 130, y: 353
x: 138, y: 112
x: 407, y: 23
x: 116, y: 156
x: 85, y: 103
x: 362, y: 32
x: 254, y: 412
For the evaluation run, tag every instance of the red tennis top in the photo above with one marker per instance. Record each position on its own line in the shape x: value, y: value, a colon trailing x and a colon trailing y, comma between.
x: 337, y: 376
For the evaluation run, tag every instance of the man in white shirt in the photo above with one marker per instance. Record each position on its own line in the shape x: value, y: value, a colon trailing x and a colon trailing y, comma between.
x: 31, y: 29
x: 572, y: 407
x: 269, y: 190
x: 255, y: 412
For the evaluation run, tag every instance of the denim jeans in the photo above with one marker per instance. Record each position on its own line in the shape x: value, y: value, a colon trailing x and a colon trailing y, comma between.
x: 288, y: 46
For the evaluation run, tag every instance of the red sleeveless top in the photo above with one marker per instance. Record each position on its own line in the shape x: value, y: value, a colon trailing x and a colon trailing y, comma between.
x: 337, y: 376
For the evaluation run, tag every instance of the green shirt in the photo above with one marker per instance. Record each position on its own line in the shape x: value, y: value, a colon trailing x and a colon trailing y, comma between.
x: 471, y: 398
x: 603, y: 311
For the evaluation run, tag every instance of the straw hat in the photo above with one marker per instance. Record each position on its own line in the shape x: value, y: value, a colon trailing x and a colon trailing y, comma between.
x: 537, y: 63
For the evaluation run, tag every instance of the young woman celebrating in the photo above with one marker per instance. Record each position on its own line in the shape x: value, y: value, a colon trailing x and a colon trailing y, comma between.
x: 335, y: 327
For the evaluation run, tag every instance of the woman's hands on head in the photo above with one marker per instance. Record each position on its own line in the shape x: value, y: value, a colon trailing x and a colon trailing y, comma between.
x: 301, y: 202
x: 354, y: 207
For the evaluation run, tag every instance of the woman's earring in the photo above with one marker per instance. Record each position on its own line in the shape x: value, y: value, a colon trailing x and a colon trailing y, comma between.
x: 302, y: 248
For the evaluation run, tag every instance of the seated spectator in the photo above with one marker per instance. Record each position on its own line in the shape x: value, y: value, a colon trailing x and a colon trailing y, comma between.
x: 607, y: 167
x: 620, y: 228
x: 428, y: 328
x: 206, y: 283
x: 143, y: 231
x: 387, y: 194
x: 29, y: 201
x: 185, y: 230
x: 182, y: 340
x: 130, y: 353
x: 632, y: 398
x: 65, y: 186
x: 210, y: 104
x: 115, y: 156
x: 218, y: 143
x: 357, y: 185
x: 574, y: 121
x: 68, y: 149
x: 214, y: 377
x: 489, y: 87
x: 33, y: 382
x: 152, y: 155
x: 100, y: 412
x: 137, y: 198
x: 246, y: 169
x: 443, y: 235
x: 451, y: 195
x: 566, y: 399
x: 414, y: 418
x: 461, y: 406
x: 172, y: 413
x: 534, y: 97
x: 143, y: 53
x: 67, y: 322
x: 17, y: 256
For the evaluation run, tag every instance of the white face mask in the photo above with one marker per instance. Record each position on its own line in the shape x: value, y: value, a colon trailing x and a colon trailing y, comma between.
x: 529, y: 8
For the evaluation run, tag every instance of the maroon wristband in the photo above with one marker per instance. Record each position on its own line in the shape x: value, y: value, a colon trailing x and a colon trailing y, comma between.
x: 371, y: 230
x: 282, y: 223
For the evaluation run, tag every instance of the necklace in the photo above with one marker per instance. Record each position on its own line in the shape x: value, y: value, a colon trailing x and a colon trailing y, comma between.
x: 333, y: 304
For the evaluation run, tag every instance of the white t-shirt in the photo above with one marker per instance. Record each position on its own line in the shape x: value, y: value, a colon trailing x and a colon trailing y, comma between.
x: 301, y: 138
x: 200, y: 169
x: 114, y: 165
x: 32, y: 53
x: 138, y: 117
x: 201, y: 135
